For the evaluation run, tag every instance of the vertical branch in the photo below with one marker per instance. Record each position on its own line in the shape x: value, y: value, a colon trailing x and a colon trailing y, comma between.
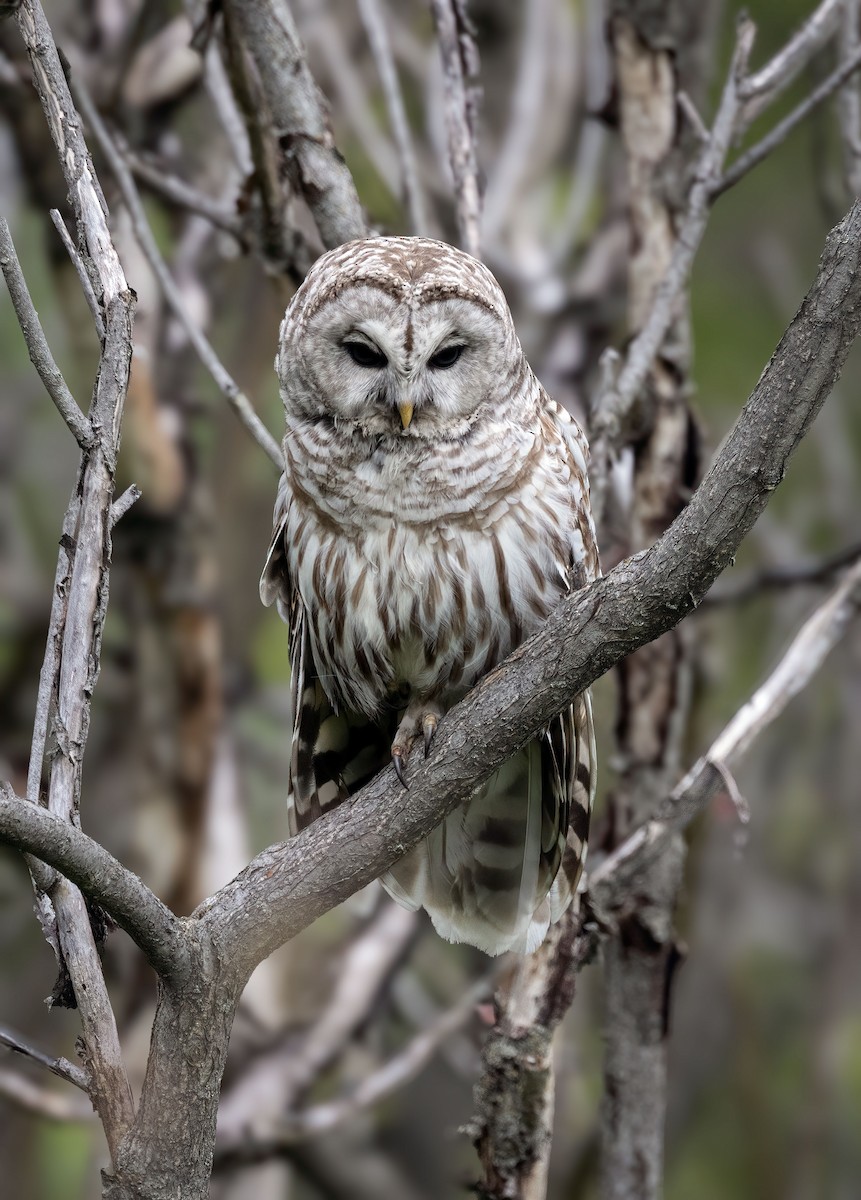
x: 378, y: 36
x: 88, y: 551
x: 460, y: 64
x: 849, y: 99
x: 653, y: 682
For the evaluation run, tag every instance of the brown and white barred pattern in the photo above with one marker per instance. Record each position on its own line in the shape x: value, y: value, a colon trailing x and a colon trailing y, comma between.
x: 410, y: 560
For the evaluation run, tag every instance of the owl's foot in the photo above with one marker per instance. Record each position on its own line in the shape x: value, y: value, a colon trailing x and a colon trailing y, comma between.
x: 422, y: 717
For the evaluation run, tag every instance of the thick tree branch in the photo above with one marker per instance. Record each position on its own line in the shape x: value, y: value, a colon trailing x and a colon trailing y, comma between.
x: 300, y: 118
x: 97, y: 873
x: 288, y: 886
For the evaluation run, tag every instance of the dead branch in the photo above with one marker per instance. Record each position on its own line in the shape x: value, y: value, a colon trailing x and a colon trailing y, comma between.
x: 608, y: 883
x: 181, y: 194
x: 378, y: 38
x: 277, y: 1083
x: 229, y: 388
x: 299, y: 117
x: 765, y: 85
x: 779, y: 578
x: 613, y: 407
x: 86, y: 559
x: 460, y: 65
x: 382, y: 1083
x: 755, y: 155
x: 37, y: 344
x: 849, y: 99
x: 61, y: 1067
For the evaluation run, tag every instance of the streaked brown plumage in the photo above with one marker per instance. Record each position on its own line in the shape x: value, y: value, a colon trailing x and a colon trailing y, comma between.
x: 433, y: 511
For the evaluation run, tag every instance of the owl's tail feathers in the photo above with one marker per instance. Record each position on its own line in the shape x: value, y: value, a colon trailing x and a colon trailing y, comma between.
x: 498, y: 871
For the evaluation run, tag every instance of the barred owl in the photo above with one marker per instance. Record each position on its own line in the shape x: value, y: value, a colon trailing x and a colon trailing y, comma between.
x: 434, y: 508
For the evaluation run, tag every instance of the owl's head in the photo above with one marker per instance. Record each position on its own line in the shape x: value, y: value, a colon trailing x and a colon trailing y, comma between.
x: 399, y: 337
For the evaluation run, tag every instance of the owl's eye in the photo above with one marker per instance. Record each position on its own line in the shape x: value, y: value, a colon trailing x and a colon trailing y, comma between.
x: 365, y: 356
x: 446, y: 357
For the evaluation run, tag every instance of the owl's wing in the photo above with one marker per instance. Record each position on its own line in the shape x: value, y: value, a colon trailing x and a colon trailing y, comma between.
x: 569, y: 743
x: 332, y: 754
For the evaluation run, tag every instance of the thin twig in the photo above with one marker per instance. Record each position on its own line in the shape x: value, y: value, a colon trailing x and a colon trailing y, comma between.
x: 234, y: 395
x: 123, y: 503
x: 779, y: 578
x: 78, y: 264
x: 181, y: 194
x: 456, y: 50
x: 809, y: 649
x: 766, y: 84
x: 60, y: 1067
x: 37, y: 344
x: 277, y: 1083
x: 393, y: 1075
x: 752, y: 157
x: 849, y: 99
x: 378, y: 37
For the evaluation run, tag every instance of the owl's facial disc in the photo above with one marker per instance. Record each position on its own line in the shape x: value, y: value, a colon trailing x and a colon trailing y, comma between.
x: 405, y: 365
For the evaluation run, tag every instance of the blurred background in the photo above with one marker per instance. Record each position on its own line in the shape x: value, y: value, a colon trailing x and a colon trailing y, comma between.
x: 186, y: 767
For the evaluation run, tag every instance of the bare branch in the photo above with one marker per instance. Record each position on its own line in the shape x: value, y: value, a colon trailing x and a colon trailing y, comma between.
x: 234, y: 395
x: 77, y: 661
x: 97, y: 873
x: 301, y: 121
x: 275, y: 1084
x: 614, y: 406
x: 754, y: 156
x: 61, y: 1067
x: 37, y: 344
x: 378, y: 37
x: 78, y: 264
x: 123, y: 503
x: 459, y: 63
x: 181, y: 194
x: 849, y: 100
x: 809, y: 649
x: 763, y: 87
x: 288, y: 886
x: 779, y: 578
x: 393, y: 1075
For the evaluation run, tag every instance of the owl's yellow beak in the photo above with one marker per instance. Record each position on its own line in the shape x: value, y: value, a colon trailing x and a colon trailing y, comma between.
x: 406, y: 411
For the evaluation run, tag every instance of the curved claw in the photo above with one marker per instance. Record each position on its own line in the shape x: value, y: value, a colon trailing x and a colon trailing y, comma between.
x: 429, y: 725
x: 400, y: 769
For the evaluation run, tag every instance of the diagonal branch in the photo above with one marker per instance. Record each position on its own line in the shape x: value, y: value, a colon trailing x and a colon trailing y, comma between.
x: 97, y: 873
x: 809, y: 649
x: 61, y: 1067
x: 288, y: 886
x: 234, y: 395
x: 37, y: 344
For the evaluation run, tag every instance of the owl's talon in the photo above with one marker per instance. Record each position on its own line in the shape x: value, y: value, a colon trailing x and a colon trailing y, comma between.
x: 429, y: 724
x: 400, y: 769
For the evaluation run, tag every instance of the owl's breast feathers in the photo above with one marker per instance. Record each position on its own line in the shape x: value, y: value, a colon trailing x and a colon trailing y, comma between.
x: 422, y: 568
